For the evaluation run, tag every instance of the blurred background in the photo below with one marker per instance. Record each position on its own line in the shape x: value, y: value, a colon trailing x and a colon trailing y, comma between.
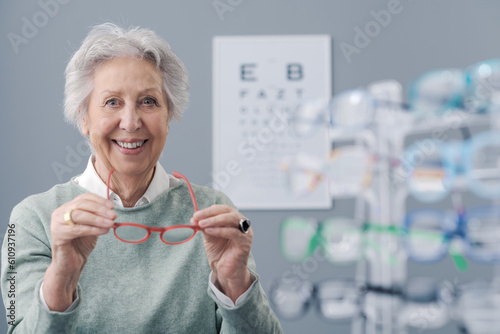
x: 41, y: 150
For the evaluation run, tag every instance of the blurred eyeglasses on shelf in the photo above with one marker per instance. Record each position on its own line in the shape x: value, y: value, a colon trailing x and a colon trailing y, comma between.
x: 335, y: 300
x: 426, y: 236
x: 431, y: 169
x: 436, y: 92
x: 422, y: 302
x: 347, y: 111
x: 478, y: 306
x: 341, y: 300
x: 430, y: 233
x: 342, y: 241
x: 348, y: 170
x: 483, y: 86
x: 475, y: 89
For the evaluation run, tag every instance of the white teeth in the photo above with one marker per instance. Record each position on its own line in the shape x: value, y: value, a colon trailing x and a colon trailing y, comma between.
x: 130, y: 145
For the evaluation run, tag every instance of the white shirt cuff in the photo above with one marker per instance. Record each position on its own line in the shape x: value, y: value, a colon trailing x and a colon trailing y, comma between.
x: 225, y: 299
x: 69, y: 309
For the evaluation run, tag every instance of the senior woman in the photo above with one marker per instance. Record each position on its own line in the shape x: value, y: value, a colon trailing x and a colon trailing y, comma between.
x: 74, y: 275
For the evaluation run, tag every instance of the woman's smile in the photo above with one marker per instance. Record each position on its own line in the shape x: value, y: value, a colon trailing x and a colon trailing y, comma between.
x: 131, y: 146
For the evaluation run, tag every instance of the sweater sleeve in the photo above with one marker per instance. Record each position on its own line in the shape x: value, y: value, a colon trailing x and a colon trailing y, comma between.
x: 253, y: 315
x: 26, y: 254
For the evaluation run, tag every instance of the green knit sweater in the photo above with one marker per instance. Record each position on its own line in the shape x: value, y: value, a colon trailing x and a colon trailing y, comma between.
x: 150, y: 287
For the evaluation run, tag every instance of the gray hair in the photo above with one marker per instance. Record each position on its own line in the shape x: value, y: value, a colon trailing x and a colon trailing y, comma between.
x: 107, y: 41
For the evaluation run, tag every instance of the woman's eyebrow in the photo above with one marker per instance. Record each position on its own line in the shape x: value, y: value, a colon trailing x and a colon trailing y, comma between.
x: 152, y: 89
x: 144, y: 91
x: 110, y: 92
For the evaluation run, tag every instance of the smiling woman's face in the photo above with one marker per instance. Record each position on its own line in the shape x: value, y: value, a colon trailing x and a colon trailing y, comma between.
x: 127, y: 116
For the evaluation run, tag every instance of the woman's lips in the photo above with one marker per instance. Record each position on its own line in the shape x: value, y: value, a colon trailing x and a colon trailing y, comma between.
x: 132, y: 144
x: 130, y: 147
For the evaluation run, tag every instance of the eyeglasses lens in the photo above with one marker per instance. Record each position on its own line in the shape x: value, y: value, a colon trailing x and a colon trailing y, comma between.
x: 438, y: 91
x: 296, y: 236
x: 337, y: 300
x: 485, y: 166
x: 304, y: 175
x: 421, y: 294
x: 308, y: 117
x: 177, y: 235
x: 484, y: 88
x: 349, y: 170
x: 131, y: 233
x: 430, y: 178
x: 425, y: 240
x: 479, y: 305
x: 341, y: 241
x: 483, y: 233
x: 291, y: 297
x: 353, y: 109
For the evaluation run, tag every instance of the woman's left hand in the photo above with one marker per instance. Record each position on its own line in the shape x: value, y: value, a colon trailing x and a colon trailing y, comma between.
x: 227, y: 247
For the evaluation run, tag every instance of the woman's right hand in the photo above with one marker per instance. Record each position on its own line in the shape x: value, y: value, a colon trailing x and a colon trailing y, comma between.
x: 72, y: 244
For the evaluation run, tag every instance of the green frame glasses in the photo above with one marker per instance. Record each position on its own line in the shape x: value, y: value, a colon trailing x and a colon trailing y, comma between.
x: 342, y: 240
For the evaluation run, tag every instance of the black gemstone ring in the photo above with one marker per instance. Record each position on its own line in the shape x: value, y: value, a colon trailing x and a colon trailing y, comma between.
x: 245, y: 225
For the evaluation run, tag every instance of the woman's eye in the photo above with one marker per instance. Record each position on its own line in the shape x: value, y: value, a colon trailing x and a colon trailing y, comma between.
x: 111, y: 103
x: 149, y: 101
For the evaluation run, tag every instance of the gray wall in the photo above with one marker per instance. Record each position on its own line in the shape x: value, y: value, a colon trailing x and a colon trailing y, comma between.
x: 423, y: 36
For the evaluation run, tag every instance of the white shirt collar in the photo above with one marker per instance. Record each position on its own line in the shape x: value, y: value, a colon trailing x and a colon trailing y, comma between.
x: 91, y: 182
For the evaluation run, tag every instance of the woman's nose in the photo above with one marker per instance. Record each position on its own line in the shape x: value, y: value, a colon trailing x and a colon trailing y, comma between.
x: 130, y: 119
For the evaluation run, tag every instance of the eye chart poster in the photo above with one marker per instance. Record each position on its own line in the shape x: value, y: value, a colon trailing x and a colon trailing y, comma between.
x: 258, y: 81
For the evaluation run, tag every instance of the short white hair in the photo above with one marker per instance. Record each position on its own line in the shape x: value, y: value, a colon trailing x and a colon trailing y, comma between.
x: 107, y: 41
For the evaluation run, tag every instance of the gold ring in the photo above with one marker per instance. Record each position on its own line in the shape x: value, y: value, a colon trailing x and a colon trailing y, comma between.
x: 67, y: 218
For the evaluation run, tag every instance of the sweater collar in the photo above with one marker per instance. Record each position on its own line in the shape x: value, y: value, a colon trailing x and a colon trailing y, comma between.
x: 91, y: 182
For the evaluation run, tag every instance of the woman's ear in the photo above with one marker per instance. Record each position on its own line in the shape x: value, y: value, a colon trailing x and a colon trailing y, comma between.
x: 83, y: 124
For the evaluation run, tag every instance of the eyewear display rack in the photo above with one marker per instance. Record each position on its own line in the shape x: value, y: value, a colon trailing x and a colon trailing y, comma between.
x: 374, y: 204
x: 384, y: 202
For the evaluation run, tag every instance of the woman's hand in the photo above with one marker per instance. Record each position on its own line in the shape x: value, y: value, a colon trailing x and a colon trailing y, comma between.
x: 227, y: 247
x: 72, y: 244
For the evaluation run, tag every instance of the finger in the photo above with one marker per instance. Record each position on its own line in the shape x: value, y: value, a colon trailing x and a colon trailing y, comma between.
x: 82, y: 217
x: 84, y: 210
x: 96, y: 199
x: 230, y: 219
x: 229, y: 233
x: 212, y: 211
x: 98, y: 209
x: 80, y: 230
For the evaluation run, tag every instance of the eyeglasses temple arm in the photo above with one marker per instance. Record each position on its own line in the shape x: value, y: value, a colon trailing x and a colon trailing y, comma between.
x: 176, y: 174
x: 179, y: 175
x: 458, y: 258
x: 387, y: 229
x: 109, y: 180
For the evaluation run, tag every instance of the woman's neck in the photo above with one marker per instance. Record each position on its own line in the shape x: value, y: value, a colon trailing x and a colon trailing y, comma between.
x: 129, y: 187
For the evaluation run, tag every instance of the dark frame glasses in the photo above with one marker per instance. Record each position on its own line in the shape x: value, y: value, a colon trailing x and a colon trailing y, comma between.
x: 340, y: 299
x: 134, y: 233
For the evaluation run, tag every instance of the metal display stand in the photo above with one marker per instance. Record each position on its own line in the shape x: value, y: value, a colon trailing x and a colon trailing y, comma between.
x: 386, y: 198
x: 379, y: 135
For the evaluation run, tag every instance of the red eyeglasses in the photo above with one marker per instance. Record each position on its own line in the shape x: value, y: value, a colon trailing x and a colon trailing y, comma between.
x: 172, y: 235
